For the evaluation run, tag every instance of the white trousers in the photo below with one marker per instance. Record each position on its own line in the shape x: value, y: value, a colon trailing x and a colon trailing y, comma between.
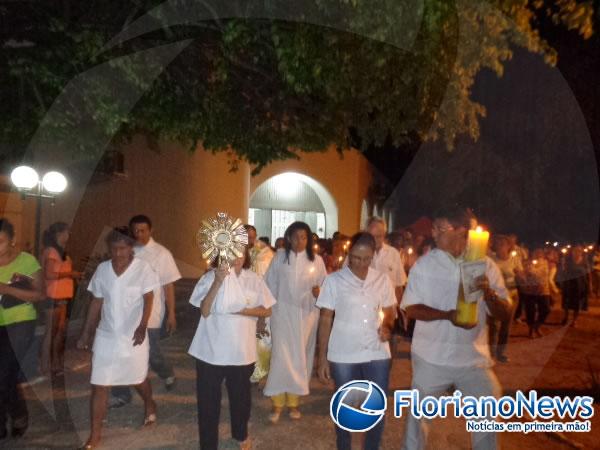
x: 431, y: 379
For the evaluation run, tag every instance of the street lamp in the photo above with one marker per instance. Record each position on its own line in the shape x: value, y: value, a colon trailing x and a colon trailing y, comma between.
x: 28, y: 182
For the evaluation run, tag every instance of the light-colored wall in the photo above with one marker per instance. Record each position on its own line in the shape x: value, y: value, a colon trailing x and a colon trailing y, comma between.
x: 20, y: 211
x: 346, y: 177
x: 177, y: 189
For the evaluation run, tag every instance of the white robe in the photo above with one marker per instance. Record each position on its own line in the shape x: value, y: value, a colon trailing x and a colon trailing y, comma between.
x: 294, y: 321
x: 115, y: 360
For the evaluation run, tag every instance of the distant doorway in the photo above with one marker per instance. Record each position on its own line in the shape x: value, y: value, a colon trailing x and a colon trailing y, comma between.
x: 290, y: 197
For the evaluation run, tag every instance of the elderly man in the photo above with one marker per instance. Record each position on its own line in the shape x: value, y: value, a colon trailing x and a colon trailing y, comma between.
x: 446, y: 353
x: 386, y: 259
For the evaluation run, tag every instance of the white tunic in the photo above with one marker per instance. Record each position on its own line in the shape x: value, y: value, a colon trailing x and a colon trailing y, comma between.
x: 387, y: 260
x: 162, y: 262
x: 294, y: 321
x: 115, y: 360
x: 354, y: 336
x: 225, y: 338
x: 434, y: 281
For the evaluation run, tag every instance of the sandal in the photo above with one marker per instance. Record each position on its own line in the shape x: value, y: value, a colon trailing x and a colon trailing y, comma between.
x: 149, y: 420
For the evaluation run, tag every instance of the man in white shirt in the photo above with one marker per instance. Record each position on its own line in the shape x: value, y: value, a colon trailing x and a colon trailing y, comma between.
x: 387, y: 260
x: 446, y: 354
x: 162, y: 262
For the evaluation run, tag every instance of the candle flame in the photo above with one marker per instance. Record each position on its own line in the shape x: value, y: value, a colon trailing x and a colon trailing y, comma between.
x: 479, y: 229
x: 564, y: 250
x: 410, y: 250
x: 311, y: 270
x: 555, y: 244
x: 340, y: 259
x: 535, y: 261
x: 381, y: 316
x: 585, y: 250
x: 513, y: 253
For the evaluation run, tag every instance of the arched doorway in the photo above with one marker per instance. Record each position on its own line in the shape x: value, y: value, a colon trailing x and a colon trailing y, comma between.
x: 290, y: 196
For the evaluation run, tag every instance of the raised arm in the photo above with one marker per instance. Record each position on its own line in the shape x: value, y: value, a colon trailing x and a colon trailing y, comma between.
x: 208, y: 300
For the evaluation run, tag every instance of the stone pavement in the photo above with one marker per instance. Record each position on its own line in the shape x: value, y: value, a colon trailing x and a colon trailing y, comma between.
x: 557, y: 364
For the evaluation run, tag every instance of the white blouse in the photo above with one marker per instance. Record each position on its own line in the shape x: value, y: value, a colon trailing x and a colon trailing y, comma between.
x: 225, y: 338
x: 357, y: 303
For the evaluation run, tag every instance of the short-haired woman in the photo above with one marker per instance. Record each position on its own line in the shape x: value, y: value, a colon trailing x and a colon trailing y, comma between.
x: 354, y: 346
x: 122, y: 291
x: 224, y: 346
x: 294, y: 278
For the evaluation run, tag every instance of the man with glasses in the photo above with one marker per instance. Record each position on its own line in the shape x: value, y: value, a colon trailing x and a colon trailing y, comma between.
x: 445, y: 353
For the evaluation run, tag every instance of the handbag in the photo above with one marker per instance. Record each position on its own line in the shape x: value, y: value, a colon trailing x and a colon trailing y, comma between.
x: 18, y: 281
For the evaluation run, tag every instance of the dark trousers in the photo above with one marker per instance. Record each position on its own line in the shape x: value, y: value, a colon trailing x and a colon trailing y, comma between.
x: 377, y: 371
x: 209, y: 379
x: 537, y: 308
x: 157, y: 363
x: 15, y: 340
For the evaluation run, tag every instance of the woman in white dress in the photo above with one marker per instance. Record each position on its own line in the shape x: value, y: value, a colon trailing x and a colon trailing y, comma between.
x: 230, y: 302
x: 122, y: 291
x: 294, y: 277
x: 354, y: 346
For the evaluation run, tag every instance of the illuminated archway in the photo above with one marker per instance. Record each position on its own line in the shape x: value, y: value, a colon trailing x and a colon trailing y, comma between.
x: 291, y: 196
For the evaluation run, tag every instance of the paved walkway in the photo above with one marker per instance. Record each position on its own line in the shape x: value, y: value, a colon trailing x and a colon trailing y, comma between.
x: 558, y: 363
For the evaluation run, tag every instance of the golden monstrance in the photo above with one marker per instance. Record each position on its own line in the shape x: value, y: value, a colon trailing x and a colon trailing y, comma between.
x: 222, y: 237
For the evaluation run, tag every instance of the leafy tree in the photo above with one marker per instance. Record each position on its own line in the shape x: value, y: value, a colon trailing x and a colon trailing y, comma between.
x: 261, y: 80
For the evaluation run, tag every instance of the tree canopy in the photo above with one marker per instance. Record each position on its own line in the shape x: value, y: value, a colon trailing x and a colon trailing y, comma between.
x: 261, y: 79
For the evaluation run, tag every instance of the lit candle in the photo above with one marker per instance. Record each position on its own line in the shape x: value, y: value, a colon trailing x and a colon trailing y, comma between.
x: 585, y: 250
x: 547, y: 242
x: 410, y: 250
x: 535, y: 261
x: 477, y: 244
x: 564, y: 251
x: 555, y: 244
x: 569, y: 246
x: 513, y: 253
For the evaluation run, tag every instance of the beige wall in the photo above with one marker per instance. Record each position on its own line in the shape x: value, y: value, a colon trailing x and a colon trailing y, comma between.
x: 178, y: 189
x: 20, y: 211
x: 346, y: 177
x: 175, y: 188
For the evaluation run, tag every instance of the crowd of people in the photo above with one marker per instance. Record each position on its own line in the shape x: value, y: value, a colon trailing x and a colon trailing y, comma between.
x: 274, y: 312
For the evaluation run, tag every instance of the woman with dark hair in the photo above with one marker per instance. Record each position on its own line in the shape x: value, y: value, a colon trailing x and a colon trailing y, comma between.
x: 224, y: 347
x: 294, y: 277
x: 354, y: 345
x: 58, y: 276
x: 20, y: 286
x: 122, y: 290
